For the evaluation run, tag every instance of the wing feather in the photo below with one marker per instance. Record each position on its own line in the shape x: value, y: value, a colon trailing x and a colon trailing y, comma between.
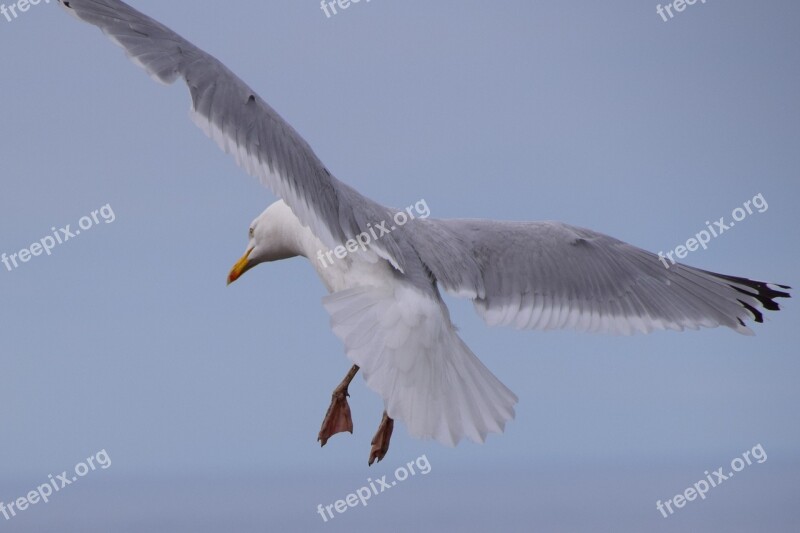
x: 244, y: 126
x: 582, y: 279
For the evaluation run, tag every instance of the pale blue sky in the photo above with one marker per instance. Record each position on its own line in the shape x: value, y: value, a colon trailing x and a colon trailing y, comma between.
x: 208, y: 398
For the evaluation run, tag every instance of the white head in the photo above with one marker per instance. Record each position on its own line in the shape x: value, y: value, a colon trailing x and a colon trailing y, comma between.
x: 275, y: 234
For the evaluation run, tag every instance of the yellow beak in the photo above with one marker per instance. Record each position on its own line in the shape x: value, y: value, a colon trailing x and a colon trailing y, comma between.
x: 241, y: 266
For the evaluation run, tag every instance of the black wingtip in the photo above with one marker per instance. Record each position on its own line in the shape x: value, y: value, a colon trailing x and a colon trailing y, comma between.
x: 762, y: 291
x: 757, y: 315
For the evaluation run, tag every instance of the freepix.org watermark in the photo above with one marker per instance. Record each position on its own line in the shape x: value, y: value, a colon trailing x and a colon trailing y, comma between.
x: 678, y: 6
x: 714, y: 479
x: 54, y: 484
x: 329, y: 6
x: 375, y: 232
x: 12, y: 11
x: 373, y: 488
x: 46, y: 244
x: 702, y: 238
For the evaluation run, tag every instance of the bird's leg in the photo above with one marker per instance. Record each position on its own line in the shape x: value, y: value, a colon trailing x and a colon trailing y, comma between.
x: 338, y: 419
x: 380, y: 442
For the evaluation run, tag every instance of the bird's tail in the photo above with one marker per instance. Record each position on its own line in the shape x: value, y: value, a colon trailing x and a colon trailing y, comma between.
x: 411, y: 355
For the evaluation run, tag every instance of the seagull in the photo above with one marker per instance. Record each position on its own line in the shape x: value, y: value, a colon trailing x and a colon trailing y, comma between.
x: 384, y: 298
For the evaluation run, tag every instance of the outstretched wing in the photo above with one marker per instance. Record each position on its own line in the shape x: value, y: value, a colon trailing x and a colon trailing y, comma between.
x: 548, y: 275
x: 243, y: 125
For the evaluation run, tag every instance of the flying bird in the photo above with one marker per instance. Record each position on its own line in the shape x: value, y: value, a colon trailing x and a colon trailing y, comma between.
x: 384, y: 299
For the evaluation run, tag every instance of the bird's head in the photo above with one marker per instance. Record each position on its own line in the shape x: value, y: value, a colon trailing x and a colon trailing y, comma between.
x: 273, y: 236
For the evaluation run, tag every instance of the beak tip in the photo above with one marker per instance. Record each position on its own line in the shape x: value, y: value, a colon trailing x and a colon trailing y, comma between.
x: 240, y: 267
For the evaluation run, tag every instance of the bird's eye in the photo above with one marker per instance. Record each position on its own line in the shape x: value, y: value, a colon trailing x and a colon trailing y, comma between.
x: 252, y: 232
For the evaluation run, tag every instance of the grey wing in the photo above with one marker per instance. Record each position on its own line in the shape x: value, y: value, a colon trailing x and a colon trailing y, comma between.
x: 547, y: 275
x: 243, y: 125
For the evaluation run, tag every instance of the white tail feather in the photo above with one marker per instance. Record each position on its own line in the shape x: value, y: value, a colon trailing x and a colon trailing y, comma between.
x: 411, y: 355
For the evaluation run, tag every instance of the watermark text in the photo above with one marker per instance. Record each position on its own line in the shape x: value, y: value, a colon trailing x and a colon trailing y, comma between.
x: 46, y: 244
x: 12, y: 11
x: 373, y: 488
x: 54, y: 484
x: 714, y: 479
x: 703, y: 237
x: 329, y: 6
x: 677, y: 5
x: 375, y: 232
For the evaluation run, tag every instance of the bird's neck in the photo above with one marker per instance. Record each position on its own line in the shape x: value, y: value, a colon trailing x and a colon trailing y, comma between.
x: 299, y: 239
x: 307, y: 244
